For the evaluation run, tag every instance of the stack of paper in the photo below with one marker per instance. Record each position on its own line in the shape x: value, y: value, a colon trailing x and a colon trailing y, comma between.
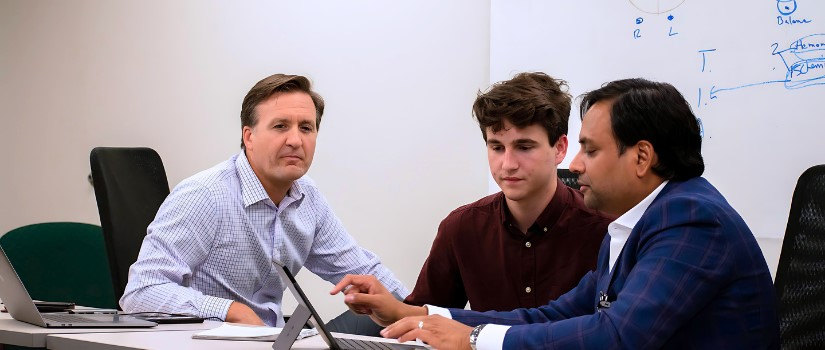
x: 235, y: 331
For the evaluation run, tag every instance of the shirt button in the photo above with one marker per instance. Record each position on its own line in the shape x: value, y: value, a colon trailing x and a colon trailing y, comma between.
x: 528, y: 289
x: 545, y: 229
x: 528, y: 244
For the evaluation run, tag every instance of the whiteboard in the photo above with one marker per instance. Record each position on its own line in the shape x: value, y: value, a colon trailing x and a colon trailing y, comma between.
x: 753, y: 72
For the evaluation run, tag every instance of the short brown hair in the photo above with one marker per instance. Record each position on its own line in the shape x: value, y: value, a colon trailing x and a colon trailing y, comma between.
x: 274, y: 84
x: 527, y: 99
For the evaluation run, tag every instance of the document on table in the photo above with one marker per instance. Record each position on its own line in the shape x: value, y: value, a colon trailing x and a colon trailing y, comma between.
x: 235, y: 331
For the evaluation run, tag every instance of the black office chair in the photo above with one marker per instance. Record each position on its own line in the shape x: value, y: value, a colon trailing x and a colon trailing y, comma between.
x: 130, y: 185
x: 569, y: 178
x: 800, y: 277
x: 61, y: 261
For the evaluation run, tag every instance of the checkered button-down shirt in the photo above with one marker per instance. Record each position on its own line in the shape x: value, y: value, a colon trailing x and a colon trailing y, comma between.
x: 215, y: 237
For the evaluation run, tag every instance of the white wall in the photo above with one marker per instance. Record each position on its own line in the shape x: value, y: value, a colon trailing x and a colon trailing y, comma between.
x: 397, y: 149
x: 759, y: 132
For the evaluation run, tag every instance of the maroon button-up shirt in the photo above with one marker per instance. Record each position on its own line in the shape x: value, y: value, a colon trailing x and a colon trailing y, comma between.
x: 479, y: 254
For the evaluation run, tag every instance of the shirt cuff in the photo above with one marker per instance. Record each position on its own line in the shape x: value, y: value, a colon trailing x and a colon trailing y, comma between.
x: 491, y: 337
x: 435, y: 310
x: 214, y: 307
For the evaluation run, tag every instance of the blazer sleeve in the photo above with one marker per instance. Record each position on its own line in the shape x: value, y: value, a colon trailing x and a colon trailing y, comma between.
x: 578, y: 301
x: 680, y: 264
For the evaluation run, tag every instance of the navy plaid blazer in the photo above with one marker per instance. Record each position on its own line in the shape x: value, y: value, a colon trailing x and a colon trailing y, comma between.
x: 690, y: 276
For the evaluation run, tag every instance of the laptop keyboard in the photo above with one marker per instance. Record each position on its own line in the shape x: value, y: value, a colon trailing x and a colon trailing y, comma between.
x: 68, y: 318
x: 354, y: 344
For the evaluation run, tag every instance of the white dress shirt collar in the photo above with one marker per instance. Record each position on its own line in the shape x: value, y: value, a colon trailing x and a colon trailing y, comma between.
x: 619, y: 229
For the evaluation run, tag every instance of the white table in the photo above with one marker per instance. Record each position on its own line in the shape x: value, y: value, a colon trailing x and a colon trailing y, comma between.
x: 173, y: 340
x: 14, y: 332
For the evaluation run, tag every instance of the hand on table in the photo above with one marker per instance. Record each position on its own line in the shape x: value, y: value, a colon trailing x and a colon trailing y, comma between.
x: 435, y: 330
x: 240, y: 313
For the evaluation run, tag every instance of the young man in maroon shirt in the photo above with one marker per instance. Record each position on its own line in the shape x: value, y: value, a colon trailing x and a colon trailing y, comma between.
x: 534, y: 240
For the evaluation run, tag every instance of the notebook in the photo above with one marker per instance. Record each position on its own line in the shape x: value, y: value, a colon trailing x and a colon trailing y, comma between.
x: 21, y: 307
x: 306, y: 310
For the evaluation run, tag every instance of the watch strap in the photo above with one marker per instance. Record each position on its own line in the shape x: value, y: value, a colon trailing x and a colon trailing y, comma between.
x: 474, y: 335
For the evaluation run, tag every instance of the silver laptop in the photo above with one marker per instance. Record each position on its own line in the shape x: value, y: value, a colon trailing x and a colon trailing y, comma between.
x: 22, y: 308
x: 305, y: 311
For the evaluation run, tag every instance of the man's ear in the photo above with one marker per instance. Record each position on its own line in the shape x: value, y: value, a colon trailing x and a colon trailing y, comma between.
x: 561, y: 148
x: 646, y: 158
x: 246, y: 136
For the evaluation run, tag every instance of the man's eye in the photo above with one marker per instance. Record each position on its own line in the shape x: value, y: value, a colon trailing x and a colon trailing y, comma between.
x: 307, y: 128
x: 525, y: 148
x: 278, y: 126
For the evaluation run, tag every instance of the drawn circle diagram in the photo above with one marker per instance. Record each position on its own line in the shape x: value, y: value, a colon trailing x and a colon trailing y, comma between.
x: 786, y: 7
x: 656, y: 6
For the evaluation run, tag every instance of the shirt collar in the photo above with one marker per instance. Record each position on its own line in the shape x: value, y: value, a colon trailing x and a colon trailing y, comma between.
x: 625, y: 223
x: 251, y: 188
x: 549, y: 216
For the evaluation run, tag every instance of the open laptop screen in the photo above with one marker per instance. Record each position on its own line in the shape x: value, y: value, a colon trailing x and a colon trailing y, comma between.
x: 304, y: 304
x: 21, y: 307
x: 315, y: 319
x: 15, y: 297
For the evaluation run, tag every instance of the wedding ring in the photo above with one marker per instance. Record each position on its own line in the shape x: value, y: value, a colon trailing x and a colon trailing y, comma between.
x: 420, y: 324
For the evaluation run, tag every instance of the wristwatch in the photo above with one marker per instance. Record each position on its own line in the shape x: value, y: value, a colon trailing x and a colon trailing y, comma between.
x: 474, y: 335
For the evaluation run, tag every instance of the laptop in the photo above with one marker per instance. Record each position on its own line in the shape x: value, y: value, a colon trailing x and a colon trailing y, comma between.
x: 21, y: 307
x: 305, y: 311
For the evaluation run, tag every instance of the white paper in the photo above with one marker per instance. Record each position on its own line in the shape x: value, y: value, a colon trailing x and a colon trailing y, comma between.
x: 234, y: 331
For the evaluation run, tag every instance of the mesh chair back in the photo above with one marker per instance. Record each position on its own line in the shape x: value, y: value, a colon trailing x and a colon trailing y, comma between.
x: 800, y: 276
x: 61, y: 261
x: 130, y: 185
x: 569, y: 178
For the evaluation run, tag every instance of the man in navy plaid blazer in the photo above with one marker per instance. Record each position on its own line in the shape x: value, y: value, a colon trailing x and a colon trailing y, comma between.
x: 679, y: 268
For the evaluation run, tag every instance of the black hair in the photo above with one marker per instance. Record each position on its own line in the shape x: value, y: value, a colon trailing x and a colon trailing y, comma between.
x: 658, y: 113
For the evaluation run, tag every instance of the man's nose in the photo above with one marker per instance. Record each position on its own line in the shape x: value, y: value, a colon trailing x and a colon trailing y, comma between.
x: 293, y: 138
x: 576, y: 165
x: 510, y: 162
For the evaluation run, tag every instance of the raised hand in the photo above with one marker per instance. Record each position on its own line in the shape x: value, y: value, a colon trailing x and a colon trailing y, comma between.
x: 366, y: 295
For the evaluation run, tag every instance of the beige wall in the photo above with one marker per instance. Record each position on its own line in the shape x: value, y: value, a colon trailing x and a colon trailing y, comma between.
x: 396, y: 152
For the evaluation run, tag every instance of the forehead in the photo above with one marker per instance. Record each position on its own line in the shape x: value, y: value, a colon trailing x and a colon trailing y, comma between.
x: 291, y: 104
x: 510, y: 133
x: 596, y: 126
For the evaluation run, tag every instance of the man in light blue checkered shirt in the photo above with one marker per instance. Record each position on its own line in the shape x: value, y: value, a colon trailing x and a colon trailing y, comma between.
x: 210, y: 249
